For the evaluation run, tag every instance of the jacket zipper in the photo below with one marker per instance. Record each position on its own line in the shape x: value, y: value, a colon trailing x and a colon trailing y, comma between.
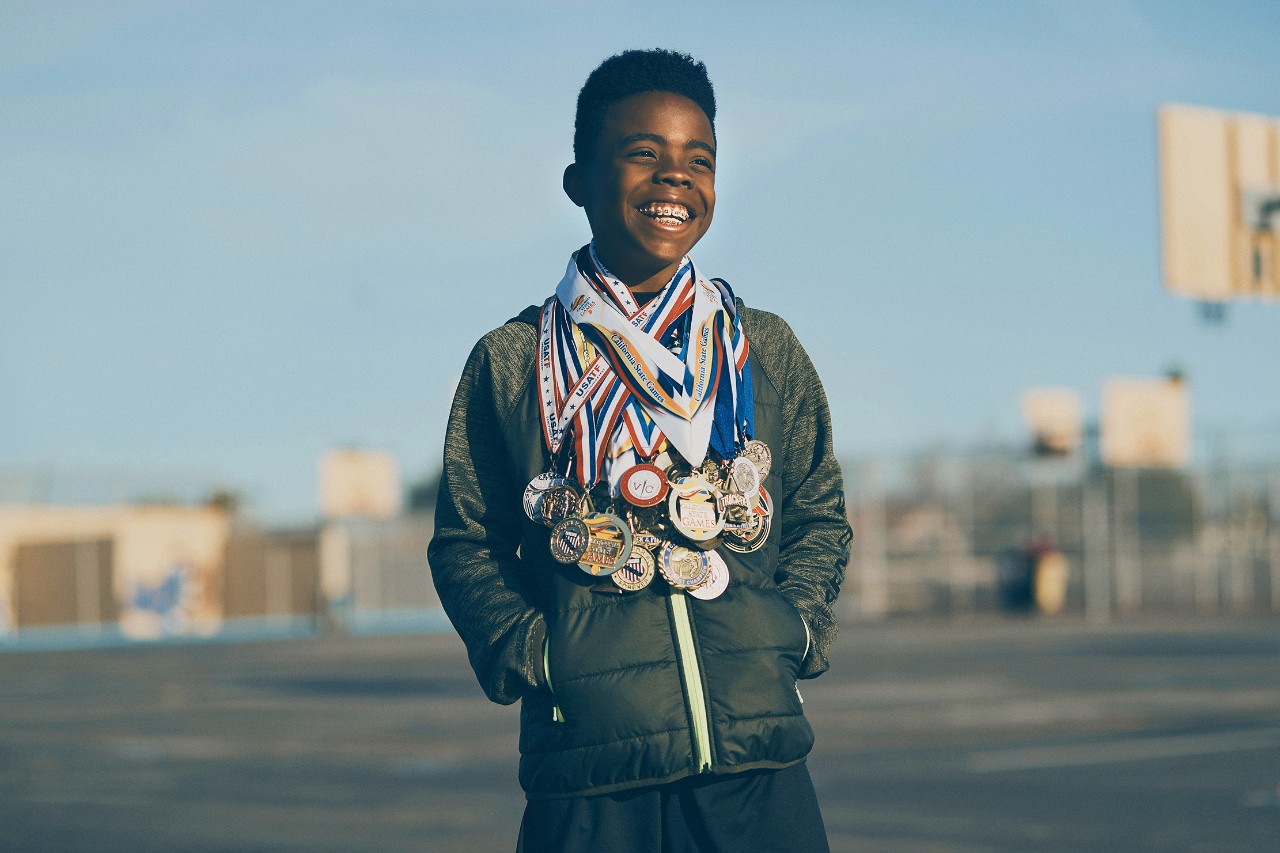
x: 693, y: 679
x: 557, y: 715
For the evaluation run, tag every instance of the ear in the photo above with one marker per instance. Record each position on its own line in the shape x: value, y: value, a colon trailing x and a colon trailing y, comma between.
x: 574, y: 183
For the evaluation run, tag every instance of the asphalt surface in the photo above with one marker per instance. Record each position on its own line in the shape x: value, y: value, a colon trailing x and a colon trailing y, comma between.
x: 989, y: 735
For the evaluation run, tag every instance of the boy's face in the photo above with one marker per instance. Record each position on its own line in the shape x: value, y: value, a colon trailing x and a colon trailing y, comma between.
x: 649, y: 190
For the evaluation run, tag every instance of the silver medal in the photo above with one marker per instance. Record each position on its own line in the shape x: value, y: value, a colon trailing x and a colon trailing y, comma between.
x: 744, y: 476
x: 534, y: 492
x: 717, y: 580
x: 758, y: 452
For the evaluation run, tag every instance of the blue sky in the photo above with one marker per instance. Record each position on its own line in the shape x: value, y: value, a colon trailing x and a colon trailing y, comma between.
x: 236, y: 234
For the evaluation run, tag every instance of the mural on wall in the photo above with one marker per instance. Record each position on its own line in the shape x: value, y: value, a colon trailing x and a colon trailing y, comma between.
x: 162, y: 607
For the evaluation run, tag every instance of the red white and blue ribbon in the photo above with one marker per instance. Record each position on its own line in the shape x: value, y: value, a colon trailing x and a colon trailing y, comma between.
x: 611, y: 384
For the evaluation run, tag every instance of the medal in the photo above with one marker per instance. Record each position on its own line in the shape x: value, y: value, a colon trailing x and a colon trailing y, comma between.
x: 695, y: 508
x: 558, y: 503
x: 646, y: 539
x: 737, y: 511
x: 758, y: 452
x: 644, y: 485
x: 637, y: 573
x: 744, y: 476
x: 717, y: 580
x: 569, y: 540
x: 608, y: 544
x: 533, y: 493
x: 753, y: 535
x: 683, y: 568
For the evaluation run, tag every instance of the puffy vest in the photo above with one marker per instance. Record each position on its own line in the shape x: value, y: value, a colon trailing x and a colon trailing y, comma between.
x: 652, y: 686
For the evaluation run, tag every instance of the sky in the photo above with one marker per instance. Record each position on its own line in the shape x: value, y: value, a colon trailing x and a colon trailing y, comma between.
x: 234, y: 235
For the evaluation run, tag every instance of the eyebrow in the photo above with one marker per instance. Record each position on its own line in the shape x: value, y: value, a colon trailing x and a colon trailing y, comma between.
x: 653, y: 137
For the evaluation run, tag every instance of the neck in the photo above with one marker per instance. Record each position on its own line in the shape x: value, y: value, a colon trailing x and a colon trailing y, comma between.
x: 645, y: 280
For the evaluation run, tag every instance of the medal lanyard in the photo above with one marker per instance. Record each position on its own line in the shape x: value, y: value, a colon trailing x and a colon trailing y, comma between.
x: 633, y: 374
x: 560, y: 343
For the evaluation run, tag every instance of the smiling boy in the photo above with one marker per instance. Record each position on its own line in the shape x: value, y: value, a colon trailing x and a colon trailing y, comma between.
x: 640, y: 532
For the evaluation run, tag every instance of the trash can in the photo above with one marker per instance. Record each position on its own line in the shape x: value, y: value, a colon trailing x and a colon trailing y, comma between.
x: 1015, y: 579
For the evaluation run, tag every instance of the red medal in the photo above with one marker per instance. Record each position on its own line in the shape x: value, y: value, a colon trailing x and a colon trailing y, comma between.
x: 644, y: 485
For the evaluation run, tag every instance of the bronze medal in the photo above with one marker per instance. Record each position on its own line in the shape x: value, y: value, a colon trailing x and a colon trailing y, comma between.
x: 569, y: 540
x: 558, y: 503
x: 637, y: 573
x: 643, y: 485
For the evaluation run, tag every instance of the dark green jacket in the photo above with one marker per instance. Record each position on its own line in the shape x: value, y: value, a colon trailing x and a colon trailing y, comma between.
x: 620, y: 691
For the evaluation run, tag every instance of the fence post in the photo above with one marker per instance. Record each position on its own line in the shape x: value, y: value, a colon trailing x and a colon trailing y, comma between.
x: 1127, y: 539
x: 1097, y: 566
x: 1273, y: 538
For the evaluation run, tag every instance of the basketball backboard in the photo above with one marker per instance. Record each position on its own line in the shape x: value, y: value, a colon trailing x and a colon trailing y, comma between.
x: 1145, y: 423
x: 1219, y: 203
x: 1055, y: 417
x: 359, y: 483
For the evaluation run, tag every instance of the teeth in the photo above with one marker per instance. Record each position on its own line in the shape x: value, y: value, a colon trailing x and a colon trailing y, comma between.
x: 663, y: 210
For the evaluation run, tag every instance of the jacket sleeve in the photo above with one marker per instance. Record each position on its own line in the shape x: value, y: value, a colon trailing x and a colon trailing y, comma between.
x: 815, y: 527
x: 473, y: 553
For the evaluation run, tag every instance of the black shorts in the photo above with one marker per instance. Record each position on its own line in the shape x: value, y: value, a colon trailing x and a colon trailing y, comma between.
x: 758, y: 811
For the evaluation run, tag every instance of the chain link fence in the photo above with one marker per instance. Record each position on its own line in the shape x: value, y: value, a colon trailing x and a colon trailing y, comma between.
x: 937, y: 532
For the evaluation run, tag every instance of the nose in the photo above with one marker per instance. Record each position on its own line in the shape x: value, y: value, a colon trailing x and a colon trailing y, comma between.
x: 672, y: 173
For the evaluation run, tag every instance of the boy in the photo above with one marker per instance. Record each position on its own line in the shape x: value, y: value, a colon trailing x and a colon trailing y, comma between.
x: 640, y: 530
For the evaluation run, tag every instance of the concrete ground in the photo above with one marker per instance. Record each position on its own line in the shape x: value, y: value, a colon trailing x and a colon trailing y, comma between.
x: 988, y: 735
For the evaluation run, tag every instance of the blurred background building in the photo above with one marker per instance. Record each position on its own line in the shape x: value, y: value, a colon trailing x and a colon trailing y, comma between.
x: 236, y: 233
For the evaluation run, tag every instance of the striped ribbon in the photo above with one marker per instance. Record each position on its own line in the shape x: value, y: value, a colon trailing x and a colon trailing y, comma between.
x: 610, y: 384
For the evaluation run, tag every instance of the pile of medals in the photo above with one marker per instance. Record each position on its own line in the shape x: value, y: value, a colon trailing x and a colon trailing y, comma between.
x: 668, y: 519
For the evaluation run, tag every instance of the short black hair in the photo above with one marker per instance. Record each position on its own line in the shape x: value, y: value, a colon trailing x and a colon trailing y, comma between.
x: 634, y: 72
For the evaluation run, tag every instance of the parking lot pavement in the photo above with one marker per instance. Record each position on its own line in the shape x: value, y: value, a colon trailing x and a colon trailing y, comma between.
x: 985, y: 735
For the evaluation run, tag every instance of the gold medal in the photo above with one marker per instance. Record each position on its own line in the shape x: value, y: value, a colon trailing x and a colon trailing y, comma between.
x: 695, y: 509
x: 682, y: 567
x: 569, y: 540
x: 608, y: 544
x: 637, y: 573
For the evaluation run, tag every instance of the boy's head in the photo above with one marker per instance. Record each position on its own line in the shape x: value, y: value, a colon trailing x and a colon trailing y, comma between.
x: 634, y: 72
x: 644, y: 170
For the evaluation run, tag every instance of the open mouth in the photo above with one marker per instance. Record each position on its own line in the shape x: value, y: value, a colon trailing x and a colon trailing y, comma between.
x: 665, y: 212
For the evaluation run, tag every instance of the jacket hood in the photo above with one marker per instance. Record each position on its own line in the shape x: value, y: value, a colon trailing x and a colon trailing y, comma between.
x: 528, y: 316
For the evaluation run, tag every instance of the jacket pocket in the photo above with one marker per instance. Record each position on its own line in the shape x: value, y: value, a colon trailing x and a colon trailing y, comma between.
x: 556, y: 714
x: 804, y: 623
